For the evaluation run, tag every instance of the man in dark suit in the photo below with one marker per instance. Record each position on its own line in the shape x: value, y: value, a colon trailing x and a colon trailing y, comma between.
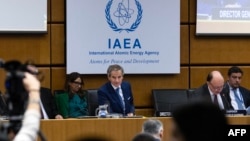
x: 48, y: 106
x: 238, y: 96
x: 116, y: 93
x: 211, y: 91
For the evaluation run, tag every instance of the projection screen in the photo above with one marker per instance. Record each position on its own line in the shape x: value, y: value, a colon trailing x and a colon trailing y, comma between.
x: 223, y: 17
x: 21, y: 16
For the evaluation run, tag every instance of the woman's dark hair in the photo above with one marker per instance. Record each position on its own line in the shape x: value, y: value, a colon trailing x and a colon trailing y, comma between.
x: 71, y: 78
x: 201, y: 121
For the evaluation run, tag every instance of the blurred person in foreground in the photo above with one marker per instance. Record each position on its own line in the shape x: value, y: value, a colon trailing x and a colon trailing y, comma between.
x: 73, y: 102
x: 199, y: 121
x: 32, y: 115
x: 116, y: 93
x: 153, y: 127
x: 143, y: 137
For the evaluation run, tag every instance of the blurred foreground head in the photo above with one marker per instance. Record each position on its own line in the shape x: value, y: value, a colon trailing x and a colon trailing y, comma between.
x: 143, y: 137
x: 91, y: 138
x: 199, y: 121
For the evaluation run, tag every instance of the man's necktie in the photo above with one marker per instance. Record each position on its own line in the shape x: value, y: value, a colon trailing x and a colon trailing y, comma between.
x: 238, y: 100
x: 121, y: 98
x: 42, y: 117
x: 216, y: 100
x: 41, y: 110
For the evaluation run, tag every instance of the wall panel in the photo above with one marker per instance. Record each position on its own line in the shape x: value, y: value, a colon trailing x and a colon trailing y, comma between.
x: 23, y: 47
x: 46, y: 76
x: 49, y: 10
x: 184, y: 44
x: 199, y: 74
x: 147, y: 112
x: 57, y: 44
x: 57, y: 10
x: 94, y: 81
x: 192, y: 12
x: 218, y: 50
x: 184, y: 11
x: 58, y: 76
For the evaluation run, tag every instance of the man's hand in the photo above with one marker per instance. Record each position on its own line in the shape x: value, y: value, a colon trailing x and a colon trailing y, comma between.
x: 58, y: 117
x: 130, y: 114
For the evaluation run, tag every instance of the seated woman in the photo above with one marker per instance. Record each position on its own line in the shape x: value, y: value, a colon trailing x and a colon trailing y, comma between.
x: 72, y: 103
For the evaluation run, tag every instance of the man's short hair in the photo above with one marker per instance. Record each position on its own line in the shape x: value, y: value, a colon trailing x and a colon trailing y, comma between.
x: 114, y: 67
x: 234, y: 69
x: 209, y: 77
x: 152, y: 126
x: 211, y: 74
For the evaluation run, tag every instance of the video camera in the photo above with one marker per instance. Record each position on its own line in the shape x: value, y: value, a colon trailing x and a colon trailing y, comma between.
x: 16, y: 96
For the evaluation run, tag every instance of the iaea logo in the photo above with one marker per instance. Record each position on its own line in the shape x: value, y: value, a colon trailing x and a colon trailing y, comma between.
x: 123, y: 15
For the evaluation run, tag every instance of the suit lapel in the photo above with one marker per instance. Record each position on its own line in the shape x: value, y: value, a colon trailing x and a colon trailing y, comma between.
x: 222, y: 97
x: 207, y: 93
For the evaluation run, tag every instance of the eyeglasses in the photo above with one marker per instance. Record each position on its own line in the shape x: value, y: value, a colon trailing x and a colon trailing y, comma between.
x: 78, y: 83
x: 216, y: 87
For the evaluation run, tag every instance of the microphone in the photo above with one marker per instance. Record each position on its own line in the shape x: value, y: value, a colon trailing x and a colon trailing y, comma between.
x: 223, y: 94
x: 229, y: 106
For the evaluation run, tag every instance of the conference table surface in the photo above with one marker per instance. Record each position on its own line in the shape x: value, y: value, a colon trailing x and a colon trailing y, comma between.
x: 115, y: 129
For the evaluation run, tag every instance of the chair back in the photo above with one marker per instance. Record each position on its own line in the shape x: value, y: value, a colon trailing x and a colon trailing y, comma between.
x: 58, y: 92
x: 92, y: 99
x: 167, y: 100
x: 190, y: 93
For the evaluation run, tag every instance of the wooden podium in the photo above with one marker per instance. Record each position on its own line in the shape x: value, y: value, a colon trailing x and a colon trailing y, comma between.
x: 120, y: 129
